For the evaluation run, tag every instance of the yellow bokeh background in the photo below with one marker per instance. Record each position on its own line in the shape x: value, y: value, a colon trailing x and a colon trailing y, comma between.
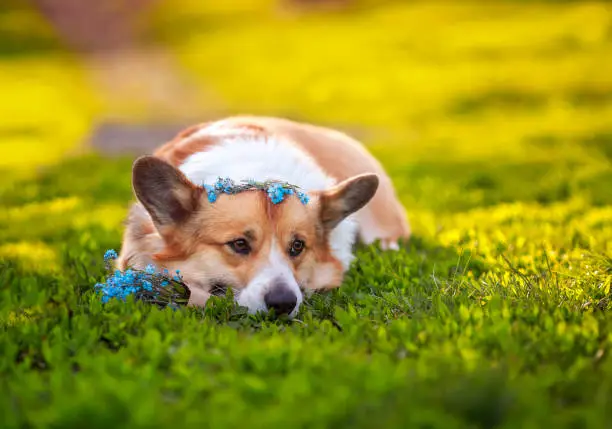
x: 462, y: 84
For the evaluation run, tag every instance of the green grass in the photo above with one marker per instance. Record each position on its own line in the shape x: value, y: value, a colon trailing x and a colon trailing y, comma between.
x: 494, y: 123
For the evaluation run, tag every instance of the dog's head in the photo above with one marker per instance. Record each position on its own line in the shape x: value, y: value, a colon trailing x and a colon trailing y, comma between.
x: 269, y: 254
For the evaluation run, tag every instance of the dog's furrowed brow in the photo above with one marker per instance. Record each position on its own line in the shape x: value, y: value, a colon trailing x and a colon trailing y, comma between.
x: 249, y: 234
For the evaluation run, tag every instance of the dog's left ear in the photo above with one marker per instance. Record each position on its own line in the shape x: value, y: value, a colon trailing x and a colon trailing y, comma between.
x: 346, y: 198
x: 169, y: 197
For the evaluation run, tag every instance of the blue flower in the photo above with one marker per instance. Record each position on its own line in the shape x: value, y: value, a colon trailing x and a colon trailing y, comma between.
x: 228, y: 186
x: 119, y: 285
x: 128, y: 277
x: 276, y: 193
x: 304, y: 198
x: 219, y: 184
x: 110, y: 255
x: 211, y: 193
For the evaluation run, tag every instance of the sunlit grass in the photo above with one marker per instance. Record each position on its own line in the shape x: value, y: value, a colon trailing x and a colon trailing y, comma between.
x: 494, y: 120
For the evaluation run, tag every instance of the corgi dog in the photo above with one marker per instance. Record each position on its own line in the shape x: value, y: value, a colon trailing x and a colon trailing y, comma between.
x: 270, y: 254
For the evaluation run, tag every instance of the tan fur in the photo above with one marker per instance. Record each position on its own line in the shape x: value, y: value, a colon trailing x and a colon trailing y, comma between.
x: 198, y: 245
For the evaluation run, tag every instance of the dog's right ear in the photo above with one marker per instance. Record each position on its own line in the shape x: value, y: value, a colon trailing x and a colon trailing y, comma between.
x: 169, y: 197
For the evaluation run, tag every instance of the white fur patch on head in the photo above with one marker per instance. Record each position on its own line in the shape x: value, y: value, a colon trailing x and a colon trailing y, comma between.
x: 243, y: 157
x: 275, y: 271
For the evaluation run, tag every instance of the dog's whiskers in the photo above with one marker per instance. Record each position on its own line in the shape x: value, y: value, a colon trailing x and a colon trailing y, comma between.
x: 218, y: 289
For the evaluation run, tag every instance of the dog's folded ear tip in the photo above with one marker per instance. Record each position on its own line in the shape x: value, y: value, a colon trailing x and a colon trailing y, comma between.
x: 145, y: 160
x: 365, y: 182
x: 148, y: 165
x: 372, y: 178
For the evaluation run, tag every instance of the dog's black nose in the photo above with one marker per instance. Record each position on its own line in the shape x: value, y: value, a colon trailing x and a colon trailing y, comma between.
x: 281, y: 299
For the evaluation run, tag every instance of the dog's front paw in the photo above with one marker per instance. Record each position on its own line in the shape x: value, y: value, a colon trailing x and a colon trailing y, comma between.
x: 389, y: 244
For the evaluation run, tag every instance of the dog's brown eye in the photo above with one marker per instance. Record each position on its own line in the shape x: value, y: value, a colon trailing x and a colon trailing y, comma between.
x: 240, y: 246
x: 296, y: 248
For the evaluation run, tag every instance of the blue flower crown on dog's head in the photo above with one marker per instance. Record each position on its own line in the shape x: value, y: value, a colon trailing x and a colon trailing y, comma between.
x: 276, y: 190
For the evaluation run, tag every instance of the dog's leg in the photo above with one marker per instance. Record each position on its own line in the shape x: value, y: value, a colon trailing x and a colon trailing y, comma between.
x: 386, y: 223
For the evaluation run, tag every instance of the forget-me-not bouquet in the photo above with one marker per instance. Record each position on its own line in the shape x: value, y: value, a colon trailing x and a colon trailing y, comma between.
x: 148, y: 285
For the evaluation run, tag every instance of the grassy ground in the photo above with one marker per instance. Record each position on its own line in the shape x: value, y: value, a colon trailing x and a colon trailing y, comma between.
x: 494, y: 122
